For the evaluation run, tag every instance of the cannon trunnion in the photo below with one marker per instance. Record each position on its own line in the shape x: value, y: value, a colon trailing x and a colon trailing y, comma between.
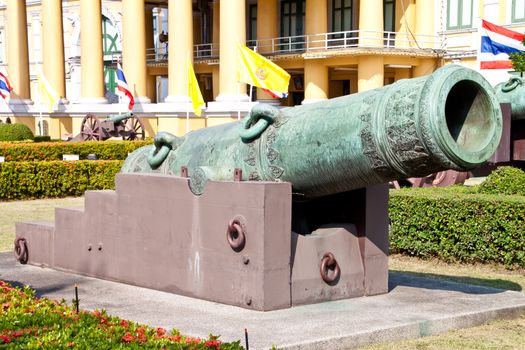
x: 286, y: 207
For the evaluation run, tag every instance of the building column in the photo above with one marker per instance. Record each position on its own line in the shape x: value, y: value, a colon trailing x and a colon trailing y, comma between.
x: 316, y: 18
x: 267, y: 24
x: 232, y: 33
x: 371, y: 23
x: 267, y: 28
x: 215, y: 77
x: 134, y: 48
x: 216, y: 20
x: 370, y: 73
x: 53, y: 45
x: 151, y: 80
x: 406, y: 17
x: 91, y: 53
x: 216, y: 24
x: 315, y: 81
x: 17, y: 52
x: 180, y: 49
x: 425, y: 24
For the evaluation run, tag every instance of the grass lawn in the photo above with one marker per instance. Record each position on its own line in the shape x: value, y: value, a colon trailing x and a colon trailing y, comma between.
x: 31, y: 210
x: 503, y: 334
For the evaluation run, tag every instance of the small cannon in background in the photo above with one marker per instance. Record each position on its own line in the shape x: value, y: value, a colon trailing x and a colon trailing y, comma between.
x: 287, y: 207
x: 127, y: 126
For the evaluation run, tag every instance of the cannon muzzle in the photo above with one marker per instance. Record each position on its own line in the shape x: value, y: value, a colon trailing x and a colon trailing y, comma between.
x: 450, y: 119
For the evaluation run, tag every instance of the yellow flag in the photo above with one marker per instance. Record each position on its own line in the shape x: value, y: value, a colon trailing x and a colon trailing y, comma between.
x: 193, y: 90
x: 259, y: 71
x: 48, y: 95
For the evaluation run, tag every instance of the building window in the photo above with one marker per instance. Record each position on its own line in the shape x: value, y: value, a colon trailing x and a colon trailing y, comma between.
x: 109, y: 37
x: 518, y: 10
x: 109, y: 46
x: 389, y: 15
x: 459, y: 14
x: 342, y: 16
x: 252, y: 22
x: 292, y: 17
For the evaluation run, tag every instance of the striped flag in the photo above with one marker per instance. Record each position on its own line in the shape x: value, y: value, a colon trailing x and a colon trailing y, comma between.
x: 122, y: 86
x: 5, y: 87
x: 497, y: 43
x: 275, y: 94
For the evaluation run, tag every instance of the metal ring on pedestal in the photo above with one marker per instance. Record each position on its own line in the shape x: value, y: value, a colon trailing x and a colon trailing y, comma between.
x: 328, y: 262
x: 235, y: 234
x: 21, y: 253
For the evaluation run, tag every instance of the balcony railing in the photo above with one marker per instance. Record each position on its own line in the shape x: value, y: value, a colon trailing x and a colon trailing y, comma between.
x: 320, y: 42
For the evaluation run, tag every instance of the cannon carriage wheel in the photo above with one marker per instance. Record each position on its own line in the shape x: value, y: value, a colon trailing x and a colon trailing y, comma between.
x: 134, y: 129
x: 90, y: 129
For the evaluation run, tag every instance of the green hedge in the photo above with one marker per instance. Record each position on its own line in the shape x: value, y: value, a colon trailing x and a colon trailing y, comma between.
x: 504, y: 180
x: 46, y: 151
x: 15, y: 132
x: 456, y: 226
x: 25, y: 180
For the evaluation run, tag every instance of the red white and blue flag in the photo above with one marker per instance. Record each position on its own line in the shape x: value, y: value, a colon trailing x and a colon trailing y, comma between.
x: 5, y: 87
x: 497, y: 43
x: 122, y: 86
x: 275, y: 94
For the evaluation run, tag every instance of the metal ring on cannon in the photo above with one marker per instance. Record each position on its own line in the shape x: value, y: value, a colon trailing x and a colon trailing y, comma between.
x: 236, y: 233
x: 328, y: 262
x: 261, y: 116
x: 21, y: 253
x: 511, y: 84
x: 164, y: 143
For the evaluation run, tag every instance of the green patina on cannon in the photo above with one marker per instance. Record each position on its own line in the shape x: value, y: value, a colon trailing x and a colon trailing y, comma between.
x: 513, y: 92
x: 127, y: 126
x: 448, y: 120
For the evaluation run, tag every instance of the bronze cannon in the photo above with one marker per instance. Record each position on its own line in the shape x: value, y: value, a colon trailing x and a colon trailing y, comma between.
x: 127, y: 126
x: 311, y: 225
x: 448, y: 120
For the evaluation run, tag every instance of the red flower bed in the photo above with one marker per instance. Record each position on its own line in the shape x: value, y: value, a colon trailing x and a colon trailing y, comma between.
x: 30, y: 322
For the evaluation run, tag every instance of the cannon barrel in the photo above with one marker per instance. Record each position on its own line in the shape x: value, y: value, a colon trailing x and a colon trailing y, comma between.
x: 513, y: 91
x: 116, y: 118
x: 450, y: 119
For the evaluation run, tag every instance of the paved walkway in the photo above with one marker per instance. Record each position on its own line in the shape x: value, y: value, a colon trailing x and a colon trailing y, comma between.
x: 414, y: 307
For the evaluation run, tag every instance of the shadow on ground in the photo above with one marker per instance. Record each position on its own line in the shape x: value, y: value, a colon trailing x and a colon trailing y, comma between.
x: 463, y: 284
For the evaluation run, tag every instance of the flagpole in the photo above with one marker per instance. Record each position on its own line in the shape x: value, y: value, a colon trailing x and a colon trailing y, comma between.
x: 238, y: 101
x: 188, y: 92
x: 251, y: 86
x: 40, y: 116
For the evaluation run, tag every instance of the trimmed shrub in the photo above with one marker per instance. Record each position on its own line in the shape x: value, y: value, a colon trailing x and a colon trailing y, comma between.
x: 431, y: 222
x: 15, y: 132
x: 42, y: 139
x: 504, y: 180
x: 48, y: 151
x: 25, y: 180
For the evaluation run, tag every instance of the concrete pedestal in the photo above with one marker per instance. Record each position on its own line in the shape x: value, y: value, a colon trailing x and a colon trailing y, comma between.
x: 152, y: 231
